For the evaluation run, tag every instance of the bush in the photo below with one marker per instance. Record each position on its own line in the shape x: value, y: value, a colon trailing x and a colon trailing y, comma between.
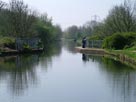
x: 120, y: 40
x: 7, y: 42
x: 97, y: 37
x: 26, y: 47
x: 116, y: 41
x: 130, y: 39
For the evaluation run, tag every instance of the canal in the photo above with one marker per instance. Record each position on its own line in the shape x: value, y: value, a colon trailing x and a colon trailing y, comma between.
x: 63, y: 75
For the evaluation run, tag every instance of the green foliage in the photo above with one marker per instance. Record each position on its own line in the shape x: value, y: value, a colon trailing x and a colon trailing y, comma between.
x: 45, y: 35
x: 72, y: 32
x: 18, y: 20
x: 99, y: 30
x: 130, y: 39
x: 120, y: 41
x: 57, y: 32
x: 131, y: 48
x: 40, y: 44
x: 121, y: 18
x: 96, y: 37
x: 116, y: 41
x: 47, y: 32
x: 26, y: 47
x: 75, y: 32
x: 7, y: 42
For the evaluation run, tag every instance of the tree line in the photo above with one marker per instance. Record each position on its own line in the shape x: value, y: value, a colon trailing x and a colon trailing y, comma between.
x: 78, y: 32
x: 17, y: 19
x: 118, y: 30
x: 121, y: 18
x: 119, y: 24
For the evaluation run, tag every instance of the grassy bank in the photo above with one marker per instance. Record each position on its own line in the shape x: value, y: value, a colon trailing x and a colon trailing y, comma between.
x: 127, y: 56
x: 131, y: 52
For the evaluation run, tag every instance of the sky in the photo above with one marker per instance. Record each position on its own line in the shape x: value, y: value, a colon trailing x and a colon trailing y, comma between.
x: 72, y: 12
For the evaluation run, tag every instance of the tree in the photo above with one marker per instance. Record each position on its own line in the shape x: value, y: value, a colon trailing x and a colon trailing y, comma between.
x: 57, y: 32
x: 4, y: 22
x: 76, y: 32
x: 72, y: 32
x: 21, y: 19
x: 17, y: 20
x: 121, y: 19
x: 2, y: 4
x: 46, y: 31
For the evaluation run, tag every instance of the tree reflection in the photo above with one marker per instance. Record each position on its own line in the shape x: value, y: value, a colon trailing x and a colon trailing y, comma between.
x: 70, y: 46
x: 54, y: 50
x: 121, y: 77
x: 20, y: 72
x: 85, y: 57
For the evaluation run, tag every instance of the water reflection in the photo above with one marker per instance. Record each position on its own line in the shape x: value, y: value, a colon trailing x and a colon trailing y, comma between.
x: 73, y: 77
x: 70, y: 46
x: 123, y: 79
x: 85, y: 57
x: 20, y: 72
x: 54, y: 49
x: 120, y: 78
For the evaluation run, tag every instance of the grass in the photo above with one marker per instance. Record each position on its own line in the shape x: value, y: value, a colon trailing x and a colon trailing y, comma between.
x: 130, y: 52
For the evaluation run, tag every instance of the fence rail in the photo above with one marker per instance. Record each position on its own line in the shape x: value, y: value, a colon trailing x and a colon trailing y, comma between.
x: 31, y: 42
x: 95, y: 43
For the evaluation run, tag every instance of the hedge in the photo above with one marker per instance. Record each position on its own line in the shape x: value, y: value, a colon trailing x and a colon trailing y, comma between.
x: 120, y: 41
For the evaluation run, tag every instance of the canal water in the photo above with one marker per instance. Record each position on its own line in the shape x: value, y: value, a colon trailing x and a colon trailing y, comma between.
x: 63, y: 75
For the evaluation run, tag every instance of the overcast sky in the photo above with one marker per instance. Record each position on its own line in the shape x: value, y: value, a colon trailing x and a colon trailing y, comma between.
x: 72, y: 12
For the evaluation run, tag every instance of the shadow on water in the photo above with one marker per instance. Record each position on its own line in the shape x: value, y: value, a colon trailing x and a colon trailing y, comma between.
x: 20, y: 71
x: 120, y: 77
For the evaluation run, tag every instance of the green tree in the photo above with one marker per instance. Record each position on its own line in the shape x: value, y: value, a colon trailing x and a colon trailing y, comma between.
x: 21, y: 19
x: 72, y: 32
x: 121, y: 18
x: 58, y: 32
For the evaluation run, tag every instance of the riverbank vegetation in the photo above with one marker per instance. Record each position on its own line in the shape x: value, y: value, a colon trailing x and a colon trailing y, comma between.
x: 117, y: 30
x: 18, y: 20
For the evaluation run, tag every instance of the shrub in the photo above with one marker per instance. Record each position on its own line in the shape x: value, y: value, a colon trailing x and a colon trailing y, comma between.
x: 130, y: 39
x: 97, y: 37
x: 120, y: 40
x: 26, y: 47
x: 116, y: 41
x: 7, y: 42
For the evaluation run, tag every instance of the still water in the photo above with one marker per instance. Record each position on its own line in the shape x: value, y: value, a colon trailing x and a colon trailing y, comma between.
x: 63, y: 75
